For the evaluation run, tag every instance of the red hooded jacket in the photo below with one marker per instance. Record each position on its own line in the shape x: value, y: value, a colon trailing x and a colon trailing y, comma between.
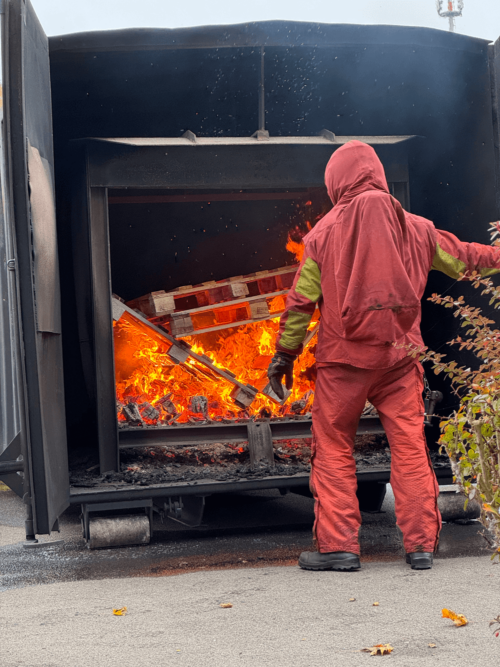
x: 366, y: 265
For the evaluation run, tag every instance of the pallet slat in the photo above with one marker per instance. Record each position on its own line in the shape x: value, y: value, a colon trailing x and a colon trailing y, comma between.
x: 215, y: 294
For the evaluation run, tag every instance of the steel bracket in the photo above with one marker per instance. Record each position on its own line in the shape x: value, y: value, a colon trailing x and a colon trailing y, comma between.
x: 187, y: 510
x: 11, y: 463
x: 260, y: 443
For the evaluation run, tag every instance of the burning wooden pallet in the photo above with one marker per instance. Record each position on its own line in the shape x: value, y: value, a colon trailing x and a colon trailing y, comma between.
x: 210, y: 307
x: 217, y: 305
x: 179, y: 352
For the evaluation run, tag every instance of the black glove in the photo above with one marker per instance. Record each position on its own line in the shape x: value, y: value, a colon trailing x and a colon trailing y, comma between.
x: 281, y: 365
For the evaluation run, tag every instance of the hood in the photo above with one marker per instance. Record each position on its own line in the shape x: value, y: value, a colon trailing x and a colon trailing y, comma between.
x: 354, y: 168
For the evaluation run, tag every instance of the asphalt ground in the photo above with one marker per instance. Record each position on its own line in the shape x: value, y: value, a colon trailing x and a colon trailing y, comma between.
x: 250, y: 529
x: 246, y: 555
x: 281, y: 616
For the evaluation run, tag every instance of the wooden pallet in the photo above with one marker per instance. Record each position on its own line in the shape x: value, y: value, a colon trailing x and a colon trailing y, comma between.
x: 179, y: 352
x: 217, y: 305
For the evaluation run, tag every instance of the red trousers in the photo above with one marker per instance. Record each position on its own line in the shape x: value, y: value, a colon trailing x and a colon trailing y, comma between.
x: 396, y: 392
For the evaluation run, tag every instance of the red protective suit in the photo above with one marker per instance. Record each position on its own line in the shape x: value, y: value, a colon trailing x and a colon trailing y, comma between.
x: 396, y: 392
x: 366, y: 265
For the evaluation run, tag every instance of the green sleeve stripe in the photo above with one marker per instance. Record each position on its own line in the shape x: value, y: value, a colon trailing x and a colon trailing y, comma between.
x: 488, y: 272
x: 453, y: 267
x: 295, y: 330
x: 447, y: 264
x: 309, y: 282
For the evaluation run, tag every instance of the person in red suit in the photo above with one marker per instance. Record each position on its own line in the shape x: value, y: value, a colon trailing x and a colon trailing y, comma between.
x: 366, y: 265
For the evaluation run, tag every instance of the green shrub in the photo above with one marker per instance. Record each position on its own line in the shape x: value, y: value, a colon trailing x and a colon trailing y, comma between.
x: 471, y: 435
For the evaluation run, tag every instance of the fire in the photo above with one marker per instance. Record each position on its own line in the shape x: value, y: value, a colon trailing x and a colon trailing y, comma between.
x: 146, y: 375
x: 297, y: 248
x: 166, y: 393
x: 295, y: 241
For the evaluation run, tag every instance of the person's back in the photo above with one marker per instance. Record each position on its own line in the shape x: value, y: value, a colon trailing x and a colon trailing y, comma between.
x: 373, y: 262
x: 366, y: 264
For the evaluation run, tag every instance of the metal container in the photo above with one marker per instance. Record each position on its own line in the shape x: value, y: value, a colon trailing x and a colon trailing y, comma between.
x: 144, y: 113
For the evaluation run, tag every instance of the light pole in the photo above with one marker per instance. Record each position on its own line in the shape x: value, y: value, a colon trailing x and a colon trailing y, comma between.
x: 454, y: 9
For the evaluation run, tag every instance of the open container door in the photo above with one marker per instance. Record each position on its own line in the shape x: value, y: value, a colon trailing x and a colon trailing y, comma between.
x: 33, y: 264
x: 10, y: 427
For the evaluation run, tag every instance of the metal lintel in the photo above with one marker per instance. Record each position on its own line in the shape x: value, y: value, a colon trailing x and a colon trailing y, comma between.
x: 208, y: 197
x: 218, y: 142
x: 115, y: 164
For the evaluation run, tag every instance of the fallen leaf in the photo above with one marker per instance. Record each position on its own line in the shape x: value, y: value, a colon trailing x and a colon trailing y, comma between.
x: 375, y: 604
x: 226, y: 605
x: 352, y: 599
x: 458, y: 619
x: 379, y: 649
x: 496, y: 621
x: 120, y: 612
x: 432, y: 645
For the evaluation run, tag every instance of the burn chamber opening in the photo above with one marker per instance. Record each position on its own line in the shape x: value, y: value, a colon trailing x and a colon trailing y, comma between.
x: 223, y: 255
x: 163, y: 240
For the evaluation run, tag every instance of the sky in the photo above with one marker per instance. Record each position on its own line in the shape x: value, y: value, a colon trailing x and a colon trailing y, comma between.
x: 481, y: 18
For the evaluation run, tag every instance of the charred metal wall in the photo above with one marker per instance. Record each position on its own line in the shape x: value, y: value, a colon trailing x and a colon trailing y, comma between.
x: 352, y: 80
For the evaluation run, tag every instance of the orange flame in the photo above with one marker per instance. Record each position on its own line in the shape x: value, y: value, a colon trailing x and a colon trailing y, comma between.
x: 295, y: 248
x: 145, y: 373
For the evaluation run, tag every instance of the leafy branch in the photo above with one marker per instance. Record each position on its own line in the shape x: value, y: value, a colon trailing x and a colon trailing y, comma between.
x: 471, y: 435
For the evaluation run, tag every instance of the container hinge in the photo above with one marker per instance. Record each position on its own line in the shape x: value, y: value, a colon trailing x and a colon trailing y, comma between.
x: 11, y: 263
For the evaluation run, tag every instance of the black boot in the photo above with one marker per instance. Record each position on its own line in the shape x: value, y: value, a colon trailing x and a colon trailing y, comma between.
x: 420, y: 560
x: 335, y: 560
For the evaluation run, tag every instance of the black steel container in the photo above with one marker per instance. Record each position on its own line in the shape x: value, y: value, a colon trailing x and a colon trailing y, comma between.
x: 255, y: 107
